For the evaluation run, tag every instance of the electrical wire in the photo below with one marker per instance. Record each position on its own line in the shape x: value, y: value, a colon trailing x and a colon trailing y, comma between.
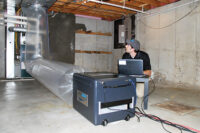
x: 141, y: 113
x: 162, y: 121
x: 142, y: 106
x: 151, y: 27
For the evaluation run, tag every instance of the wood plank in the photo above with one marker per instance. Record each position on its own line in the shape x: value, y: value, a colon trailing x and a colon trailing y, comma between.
x: 126, y: 4
x: 151, y: 2
x: 93, y: 33
x: 73, y: 7
x: 164, y: 1
x: 91, y: 9
x: 103, y: 16
x: 106, y: 12
x: 86, y: 10
x: 81, y: 7
x: 95, y: 8
x: 92, y: 52
x: 131, y: 3
x: 107, y: 7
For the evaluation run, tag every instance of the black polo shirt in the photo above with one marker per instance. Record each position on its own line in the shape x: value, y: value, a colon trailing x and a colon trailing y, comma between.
x: 140, y: 55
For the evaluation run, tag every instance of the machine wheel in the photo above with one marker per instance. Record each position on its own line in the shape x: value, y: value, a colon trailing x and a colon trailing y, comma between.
x: 127, y: 118
x: 104, y: 122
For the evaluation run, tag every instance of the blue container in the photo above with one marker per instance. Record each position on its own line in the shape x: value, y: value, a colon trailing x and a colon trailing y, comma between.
x: 104, y: 97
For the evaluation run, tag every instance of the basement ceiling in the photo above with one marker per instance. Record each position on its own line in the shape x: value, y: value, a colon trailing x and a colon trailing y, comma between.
x: 105, y: 11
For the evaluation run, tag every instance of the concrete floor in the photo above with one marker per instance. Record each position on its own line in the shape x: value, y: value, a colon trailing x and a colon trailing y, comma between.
x: 28, y: 107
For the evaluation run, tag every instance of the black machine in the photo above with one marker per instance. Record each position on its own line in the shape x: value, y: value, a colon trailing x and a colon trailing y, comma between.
x: 104, y: 97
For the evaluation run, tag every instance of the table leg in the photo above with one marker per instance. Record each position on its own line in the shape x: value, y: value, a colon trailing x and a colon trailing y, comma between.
x: 146, y: 92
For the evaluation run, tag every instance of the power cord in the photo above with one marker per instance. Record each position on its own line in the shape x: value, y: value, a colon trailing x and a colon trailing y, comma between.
x: 162, y: 121
x: 141, y: 113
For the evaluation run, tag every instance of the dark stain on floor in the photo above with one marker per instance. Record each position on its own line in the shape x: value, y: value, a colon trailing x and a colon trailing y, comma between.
x: 176, y: 107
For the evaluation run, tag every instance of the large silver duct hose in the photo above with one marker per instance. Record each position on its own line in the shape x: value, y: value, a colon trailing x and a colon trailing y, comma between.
x: 56, y: 76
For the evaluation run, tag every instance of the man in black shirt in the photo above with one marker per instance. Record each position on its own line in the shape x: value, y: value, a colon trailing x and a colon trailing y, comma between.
x: 133, y: 52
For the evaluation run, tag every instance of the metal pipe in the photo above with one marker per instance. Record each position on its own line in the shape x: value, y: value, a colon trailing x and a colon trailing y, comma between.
x: 17, y: 29
x: 124, y: 7
x: 15, y: 22
x: 16, y: 17
x: 24, y: 30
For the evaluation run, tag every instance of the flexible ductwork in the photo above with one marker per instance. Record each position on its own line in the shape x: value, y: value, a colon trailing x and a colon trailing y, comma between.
x: 56, y: 76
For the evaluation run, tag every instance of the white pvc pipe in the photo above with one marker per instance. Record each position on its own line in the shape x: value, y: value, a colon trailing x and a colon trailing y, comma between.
x: 15, y: 22
x: 16, y: 17
x: 110, y: 4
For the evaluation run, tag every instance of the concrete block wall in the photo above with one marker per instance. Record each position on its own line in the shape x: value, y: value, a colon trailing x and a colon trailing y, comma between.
x: 117, y: 54
x: 174, y: 51
x: 94, y: 62
x: 2, y: 51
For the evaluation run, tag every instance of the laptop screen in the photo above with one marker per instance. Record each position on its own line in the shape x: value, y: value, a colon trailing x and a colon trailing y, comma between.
x: 130, y: 66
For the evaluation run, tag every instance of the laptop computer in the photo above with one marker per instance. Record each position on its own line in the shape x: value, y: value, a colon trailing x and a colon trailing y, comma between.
x: 133, y: 67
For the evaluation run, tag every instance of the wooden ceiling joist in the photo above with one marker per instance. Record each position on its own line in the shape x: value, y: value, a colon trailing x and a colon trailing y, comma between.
x: 91, y: 8
x: 104, y: 11
x: 103, y: 15
x: 117, y: 9
x: 150, y: 2
x: 164, y: 1
x: 126, y: 4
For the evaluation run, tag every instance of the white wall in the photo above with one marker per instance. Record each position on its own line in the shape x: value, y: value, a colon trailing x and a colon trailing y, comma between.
x: 174, y: 51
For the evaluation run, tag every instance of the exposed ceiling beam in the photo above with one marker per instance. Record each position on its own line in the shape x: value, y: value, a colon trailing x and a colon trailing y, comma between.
x: 151, y: 2
x: 164, y: 1
x: 126, y: 4
x: 89, y: 5
x: 114, y: 9
x: 132, y: 4
x: 103, y: 16
x: 118, y: 6
x: 107, y: 7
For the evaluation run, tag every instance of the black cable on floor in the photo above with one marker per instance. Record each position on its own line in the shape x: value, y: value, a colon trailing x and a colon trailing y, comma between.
x: 156, y: 118
x: 141, y: 113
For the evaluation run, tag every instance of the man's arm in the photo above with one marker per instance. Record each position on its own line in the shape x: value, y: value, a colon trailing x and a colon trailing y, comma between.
x: 147, y: 72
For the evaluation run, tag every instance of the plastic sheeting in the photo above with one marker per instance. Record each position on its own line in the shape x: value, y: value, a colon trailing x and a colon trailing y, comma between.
x: 37, y: 32
x: 56, y: 76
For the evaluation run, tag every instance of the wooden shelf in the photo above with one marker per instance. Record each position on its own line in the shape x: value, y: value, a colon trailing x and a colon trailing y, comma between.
x: 93, y: 33
x: 92, y: 52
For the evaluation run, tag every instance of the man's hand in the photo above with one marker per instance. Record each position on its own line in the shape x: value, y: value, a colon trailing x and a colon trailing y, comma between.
x: 147, y: 72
